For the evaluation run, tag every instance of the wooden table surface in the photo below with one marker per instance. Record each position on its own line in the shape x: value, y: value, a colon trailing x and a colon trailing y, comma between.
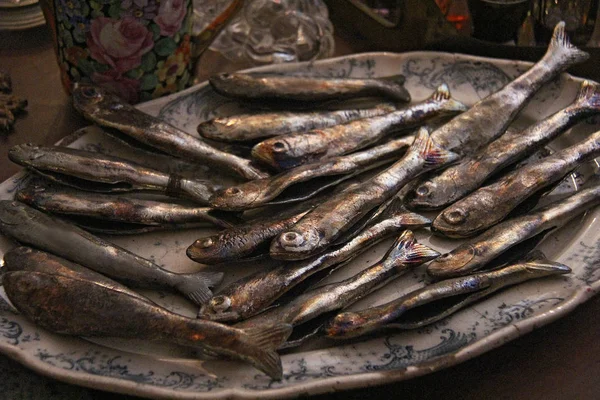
x: 557, y: 361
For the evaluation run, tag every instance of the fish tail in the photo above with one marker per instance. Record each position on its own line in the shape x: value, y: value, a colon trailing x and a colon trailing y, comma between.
x: 444, y: 98
x: 267, y: 339
x: 199, y: 191
x: 428, y: 150
x: 561, y: 51
x: 588, y: 96
x: 414, y: 220
x: 195, y: 286
x: 406, y: 251
x: 536, y: 261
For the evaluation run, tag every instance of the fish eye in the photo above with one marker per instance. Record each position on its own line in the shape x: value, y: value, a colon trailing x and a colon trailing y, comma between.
x: 423, y: 190
x: 89, y: 92
x: 278, y: 146
x: 206, y: 242
x: 233, y: 190
x: 292, y: 238
x: 455, y: 217
x: 220, y: 303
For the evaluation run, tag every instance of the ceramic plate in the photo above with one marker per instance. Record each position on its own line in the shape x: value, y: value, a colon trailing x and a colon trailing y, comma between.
x: 163, y: 371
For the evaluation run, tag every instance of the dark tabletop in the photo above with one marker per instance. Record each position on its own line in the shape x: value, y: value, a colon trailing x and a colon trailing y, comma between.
x: 557, y: 361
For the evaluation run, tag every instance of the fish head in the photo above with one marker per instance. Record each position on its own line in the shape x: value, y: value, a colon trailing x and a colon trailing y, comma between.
x: 219, y: 308
x: 426, y: 195
x: 13, y: 212
x: 86, y: 97
x: 22, y: 287
x: 461, y: 221
x: 452, y: 264
x: 275, y: 152
x: 296, y: 245
x: 206, y: 249
x: 346, y: 324
x: 23, y: 153
x: 238, y: 197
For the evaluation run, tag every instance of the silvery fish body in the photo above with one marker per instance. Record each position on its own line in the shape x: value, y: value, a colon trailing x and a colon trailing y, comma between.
x: 67, y: 298
x: 258, y: 192
x: 107, y: 110
x: 457, y: 181
x: 324, y: 224
x: 30, y: 226
x: 250, y: 127
x: 404, y: 254
x: 307, y: 88
x: 251, y: 295
x: 285, y: 152
x: 120, y: 215
x: 92, y: 171
x: 413, y: 310
x: 492, y: 203
x: 479, y: 251
x: 490, y: 117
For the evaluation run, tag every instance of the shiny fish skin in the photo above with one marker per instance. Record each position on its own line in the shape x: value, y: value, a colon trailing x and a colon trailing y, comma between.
x: 131, y: 215
x: 492, y: 203
x: 107, y: 110
x: 88, y: 170
x: 258, y: 192
x: 251, y: 295
x: 490, y: 117
x: 475, y: 287
x: 324, y: 224
x: 251, y: 127
x: 285, y: 152
x: 30, y: 226
x: 457, y: 181
x: 307, y: 88
x: 479, y: 251
x: 404, y: 254
x: 85, y: 307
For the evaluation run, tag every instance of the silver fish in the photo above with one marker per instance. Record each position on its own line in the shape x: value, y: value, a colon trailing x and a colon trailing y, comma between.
x: 30, y: 226
x: 477, y: 252
x: 404, y: 254
x: 66, y: 298
x: 490, y: 117
x: 250, y: 127
x: 107, y: 110
x: 120, y: 215
x: 307, y: 88
x: 457, y: 181
x: 259, y: 192
x: 251, y: 295
x: 92, y: 171
x: 492, y: 203
x: 414, y: 309
x: 324, y: 224
x: 285, y: 152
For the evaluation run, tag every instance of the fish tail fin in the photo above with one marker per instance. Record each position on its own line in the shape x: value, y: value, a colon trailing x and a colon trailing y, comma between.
x: 414, y: 220
x: 428, y: 150
x: 561, y: 51
x: 588, y: 96
x: 197, y: 190
x: 195, y: 286
x: 537, y: 262
x: 444, y: 98
x: 406, y: 251
x: 394, y: 86
x: 267, y: 339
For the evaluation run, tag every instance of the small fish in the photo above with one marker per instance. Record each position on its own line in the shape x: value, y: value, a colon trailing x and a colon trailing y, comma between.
x: 404, y: 254
x: 259, y: 192
x: 439, y: 300
x: 107, y: 110
x: 492, y: 203
x: 65, y: 298
x: 477, y: 252
x: 307, y: 88
x: 117, y: 214
x: 30, y: 226
x: 253, y: 294
x: 250, y: 127
x: 92, y: 171
x: 490, y: 117
x: 285, y: 152
x: 325, y: 223
x: 457, y: 181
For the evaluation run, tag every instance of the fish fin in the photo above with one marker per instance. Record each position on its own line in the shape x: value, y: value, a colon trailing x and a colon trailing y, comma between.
x: 428, y: 150
x: 406, y: 251
x: 268, y: 339
x: 196, y: 285
x: 537, y: 261
x: 589, y: 95
x: 199, y: 191
x: 561, y: 49
x: 414, y: 220
x: 442, y: 95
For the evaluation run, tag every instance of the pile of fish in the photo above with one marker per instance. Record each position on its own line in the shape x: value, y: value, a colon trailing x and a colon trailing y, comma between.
x: 316, y: 185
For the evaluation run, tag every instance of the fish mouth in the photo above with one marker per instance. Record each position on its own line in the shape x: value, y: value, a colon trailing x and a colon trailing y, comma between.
x: 451, y: 265
x: 232, y: 198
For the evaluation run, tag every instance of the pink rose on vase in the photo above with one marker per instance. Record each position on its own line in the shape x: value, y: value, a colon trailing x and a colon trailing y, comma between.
x: 119, y: 43
x: 126, y: 88
x: 170, y: 16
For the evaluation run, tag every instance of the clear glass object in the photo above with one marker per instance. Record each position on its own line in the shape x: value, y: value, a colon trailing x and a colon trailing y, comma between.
x: 271, y: 31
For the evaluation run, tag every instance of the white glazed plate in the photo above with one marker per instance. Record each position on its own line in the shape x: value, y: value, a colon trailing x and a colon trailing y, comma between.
x: 164, y: 371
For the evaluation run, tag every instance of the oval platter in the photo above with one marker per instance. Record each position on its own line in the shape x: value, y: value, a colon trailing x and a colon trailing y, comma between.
x: 163, y: 371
